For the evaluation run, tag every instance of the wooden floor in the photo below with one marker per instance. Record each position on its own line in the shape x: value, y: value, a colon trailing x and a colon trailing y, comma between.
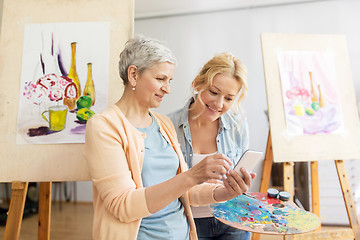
x: 73, y: 222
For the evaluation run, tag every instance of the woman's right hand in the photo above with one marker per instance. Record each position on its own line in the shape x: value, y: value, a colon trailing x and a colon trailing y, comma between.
x: 211, y: 167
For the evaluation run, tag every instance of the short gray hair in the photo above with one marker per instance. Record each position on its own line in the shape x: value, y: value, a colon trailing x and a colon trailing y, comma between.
x: 143, y: 52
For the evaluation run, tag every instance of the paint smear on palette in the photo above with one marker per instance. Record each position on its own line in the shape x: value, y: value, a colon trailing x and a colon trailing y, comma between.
x: 262, y: 214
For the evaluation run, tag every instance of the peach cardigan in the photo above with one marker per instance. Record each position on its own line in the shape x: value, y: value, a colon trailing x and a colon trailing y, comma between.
x: 114, y: 151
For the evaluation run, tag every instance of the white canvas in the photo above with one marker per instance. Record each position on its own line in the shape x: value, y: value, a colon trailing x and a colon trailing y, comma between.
x: 310, y: 93
x: 46, y: 57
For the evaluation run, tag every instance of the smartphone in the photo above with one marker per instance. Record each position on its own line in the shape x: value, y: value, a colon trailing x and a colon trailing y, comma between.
x: 248, y: 160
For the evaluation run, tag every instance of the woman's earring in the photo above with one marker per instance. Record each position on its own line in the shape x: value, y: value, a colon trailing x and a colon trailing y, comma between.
x: 133, y: 88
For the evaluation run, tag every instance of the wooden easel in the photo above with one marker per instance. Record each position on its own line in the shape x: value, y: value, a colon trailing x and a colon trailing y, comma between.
x: 16, y: 209
x: 288, y: 167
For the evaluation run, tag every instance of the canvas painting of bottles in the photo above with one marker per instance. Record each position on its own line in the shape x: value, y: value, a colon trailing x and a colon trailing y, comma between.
x: 310, y: 93
x: 64, y: 80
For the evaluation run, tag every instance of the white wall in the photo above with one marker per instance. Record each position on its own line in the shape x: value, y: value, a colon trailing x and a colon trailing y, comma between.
x: 195, y: 38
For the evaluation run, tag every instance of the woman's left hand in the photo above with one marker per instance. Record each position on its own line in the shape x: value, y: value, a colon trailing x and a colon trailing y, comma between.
x: 234, y: 185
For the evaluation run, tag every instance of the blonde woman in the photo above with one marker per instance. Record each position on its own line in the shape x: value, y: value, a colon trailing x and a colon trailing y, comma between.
x: 211, y: 123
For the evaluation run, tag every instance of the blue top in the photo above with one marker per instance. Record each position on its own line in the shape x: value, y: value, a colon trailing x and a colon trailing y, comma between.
x: 160, y: 164
x: 232, y: 139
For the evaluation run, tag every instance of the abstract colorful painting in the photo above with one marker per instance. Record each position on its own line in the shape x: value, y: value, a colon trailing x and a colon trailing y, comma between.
x: 256, y: 212
x: 310, y: 93
x: 64, y: 80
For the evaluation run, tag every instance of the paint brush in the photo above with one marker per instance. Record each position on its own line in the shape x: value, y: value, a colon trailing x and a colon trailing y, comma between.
x: 248, y: 195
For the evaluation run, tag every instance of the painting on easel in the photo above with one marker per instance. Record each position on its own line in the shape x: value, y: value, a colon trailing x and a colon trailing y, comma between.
x: 100, y: 30
x: 311, y: 99
x: 310, y: 93
x: 64, y: 80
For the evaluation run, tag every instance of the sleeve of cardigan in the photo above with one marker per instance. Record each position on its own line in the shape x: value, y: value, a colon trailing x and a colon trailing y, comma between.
x: 203, y: 194
x: 110, y: 173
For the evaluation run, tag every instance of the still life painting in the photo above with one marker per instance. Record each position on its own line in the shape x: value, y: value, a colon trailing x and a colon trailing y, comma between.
x: 310, y: 93
x: 64, y: 80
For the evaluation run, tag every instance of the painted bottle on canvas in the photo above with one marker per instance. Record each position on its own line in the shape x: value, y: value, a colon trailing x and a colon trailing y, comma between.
x: 72, y: 73
x: 89, y: 89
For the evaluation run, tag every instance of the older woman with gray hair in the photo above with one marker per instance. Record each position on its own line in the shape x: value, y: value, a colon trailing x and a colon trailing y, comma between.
x: 142, y: 188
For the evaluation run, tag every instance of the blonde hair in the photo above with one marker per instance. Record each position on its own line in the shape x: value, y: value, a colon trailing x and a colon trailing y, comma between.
x: 224, y: 63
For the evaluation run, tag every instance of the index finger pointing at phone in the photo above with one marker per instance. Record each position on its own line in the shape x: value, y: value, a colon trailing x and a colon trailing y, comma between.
x: 224, y: 157
x: 226, y: 161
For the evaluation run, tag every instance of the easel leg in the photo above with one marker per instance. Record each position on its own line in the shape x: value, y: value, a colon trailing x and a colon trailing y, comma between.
x: 266, y: 174
x: 16, y: 210
x: 348, y: 198
x: 44, y: 210
x: 289, y: 178
x: 268, y: 161
x: 315, y: 196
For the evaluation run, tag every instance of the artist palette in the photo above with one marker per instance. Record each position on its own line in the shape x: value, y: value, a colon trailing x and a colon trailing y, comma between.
x: 257, y: 212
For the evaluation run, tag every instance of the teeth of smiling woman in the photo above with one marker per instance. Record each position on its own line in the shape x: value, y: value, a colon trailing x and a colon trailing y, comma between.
x: 213, y: 109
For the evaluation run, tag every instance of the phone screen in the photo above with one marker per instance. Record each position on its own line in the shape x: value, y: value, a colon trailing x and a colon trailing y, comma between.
x: 248, y: 161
